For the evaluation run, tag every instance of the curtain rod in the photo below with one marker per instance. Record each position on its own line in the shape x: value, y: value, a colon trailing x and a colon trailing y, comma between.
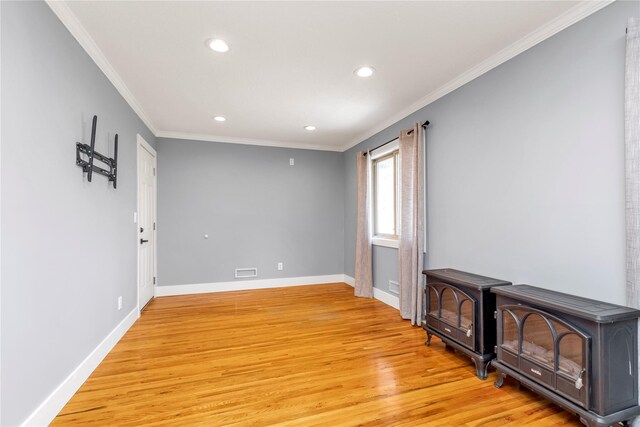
x: 424, y: 125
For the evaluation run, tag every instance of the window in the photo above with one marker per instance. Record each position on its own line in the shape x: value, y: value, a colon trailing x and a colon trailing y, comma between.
x: 385, y: 196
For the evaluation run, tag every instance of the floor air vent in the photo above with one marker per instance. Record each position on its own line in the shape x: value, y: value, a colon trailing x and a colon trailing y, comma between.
x: 242, y: 273
x: 394, y: 287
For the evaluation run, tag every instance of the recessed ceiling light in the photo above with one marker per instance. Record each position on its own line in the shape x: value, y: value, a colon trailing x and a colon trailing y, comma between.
x: 310, y: 127
x: 219, y: 119
x: 218, y: 45
x: 365, y: 71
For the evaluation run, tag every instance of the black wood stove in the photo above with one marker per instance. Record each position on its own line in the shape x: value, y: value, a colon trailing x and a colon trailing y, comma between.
x: 459, y: 309
x: 580, y: 353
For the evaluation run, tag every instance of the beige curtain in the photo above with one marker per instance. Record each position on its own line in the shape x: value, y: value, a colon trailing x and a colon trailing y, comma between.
x: 632, y: 160
x: 364, y: 280
x: 411, y: 250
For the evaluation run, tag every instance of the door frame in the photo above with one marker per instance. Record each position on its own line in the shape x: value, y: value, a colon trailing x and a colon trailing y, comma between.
x: 141, y: 144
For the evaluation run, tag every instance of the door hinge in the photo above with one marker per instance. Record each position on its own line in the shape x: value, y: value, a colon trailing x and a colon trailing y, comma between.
x: 495, y: 313
x: 154, y: 171
x: 154, y: 280
x: 154, y: 225
x: 495, y: 349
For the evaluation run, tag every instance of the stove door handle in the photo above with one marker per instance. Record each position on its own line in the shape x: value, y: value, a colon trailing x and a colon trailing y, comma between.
x: 579, y: 384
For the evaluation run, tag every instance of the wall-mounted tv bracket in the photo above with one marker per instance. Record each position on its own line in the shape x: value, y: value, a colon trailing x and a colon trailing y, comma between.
x: 89, y: 151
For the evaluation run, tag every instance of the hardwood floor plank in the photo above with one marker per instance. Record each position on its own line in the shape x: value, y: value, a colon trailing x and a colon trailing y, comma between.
x: 297, y: 356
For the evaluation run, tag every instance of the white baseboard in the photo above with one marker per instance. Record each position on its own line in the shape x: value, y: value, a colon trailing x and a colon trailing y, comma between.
x: 47, y: 411
x: 387, y: 298
x: 244, y: 285
x: 349, y: 280
x: 379, y: 294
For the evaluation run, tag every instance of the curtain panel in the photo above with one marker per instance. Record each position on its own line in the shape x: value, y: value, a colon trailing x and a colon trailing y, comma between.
x: 364, y: 277
x: 411, y: 248
x: 632, y: 161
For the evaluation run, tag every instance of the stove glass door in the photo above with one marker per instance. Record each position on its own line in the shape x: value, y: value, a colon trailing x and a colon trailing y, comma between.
x: 449, y: 309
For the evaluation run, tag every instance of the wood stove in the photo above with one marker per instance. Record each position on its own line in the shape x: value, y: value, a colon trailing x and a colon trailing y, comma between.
x: 580, y: 353
x: 459, y: 310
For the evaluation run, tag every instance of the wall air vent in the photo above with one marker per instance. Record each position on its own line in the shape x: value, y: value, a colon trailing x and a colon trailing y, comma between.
x: 394, y: 287
x: 242, y: 273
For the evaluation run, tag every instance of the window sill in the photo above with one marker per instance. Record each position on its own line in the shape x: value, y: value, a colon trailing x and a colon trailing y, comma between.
x: 388, y: 243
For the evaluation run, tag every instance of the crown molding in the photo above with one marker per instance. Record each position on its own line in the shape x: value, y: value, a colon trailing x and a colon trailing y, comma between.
x: 568, y: 18
x: 77, y: 30
x: 244, y: 141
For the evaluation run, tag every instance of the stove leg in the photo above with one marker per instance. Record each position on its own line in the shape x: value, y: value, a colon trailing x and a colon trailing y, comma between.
x: 481, y: 368
x: 428, y: 343
x: 590, y: 423
x: 500, y: 381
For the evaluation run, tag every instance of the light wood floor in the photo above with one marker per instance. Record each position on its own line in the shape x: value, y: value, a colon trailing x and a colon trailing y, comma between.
x: 298, y: 356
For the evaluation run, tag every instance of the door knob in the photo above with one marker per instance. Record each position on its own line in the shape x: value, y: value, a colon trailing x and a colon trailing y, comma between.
x: 143, y: 241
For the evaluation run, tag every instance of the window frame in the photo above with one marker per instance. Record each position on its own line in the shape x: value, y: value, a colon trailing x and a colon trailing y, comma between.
x: 390, y: 150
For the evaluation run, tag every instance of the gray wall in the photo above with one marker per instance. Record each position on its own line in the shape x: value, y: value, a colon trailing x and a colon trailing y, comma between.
x: 525, y: 182
x: 256, y: 209
x: 68, y: 246
x: 385, y: 266
x: 525, y: 166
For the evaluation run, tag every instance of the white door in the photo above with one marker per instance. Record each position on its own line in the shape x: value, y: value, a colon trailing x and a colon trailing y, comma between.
x: 146, y: 232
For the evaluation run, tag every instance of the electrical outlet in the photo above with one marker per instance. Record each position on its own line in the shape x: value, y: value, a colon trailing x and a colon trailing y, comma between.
x: 119, y: 303
x: 291, y: 162
x: 280, y: 266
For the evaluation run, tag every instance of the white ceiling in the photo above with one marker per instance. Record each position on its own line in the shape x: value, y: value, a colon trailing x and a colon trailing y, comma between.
x: 291, y: 63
